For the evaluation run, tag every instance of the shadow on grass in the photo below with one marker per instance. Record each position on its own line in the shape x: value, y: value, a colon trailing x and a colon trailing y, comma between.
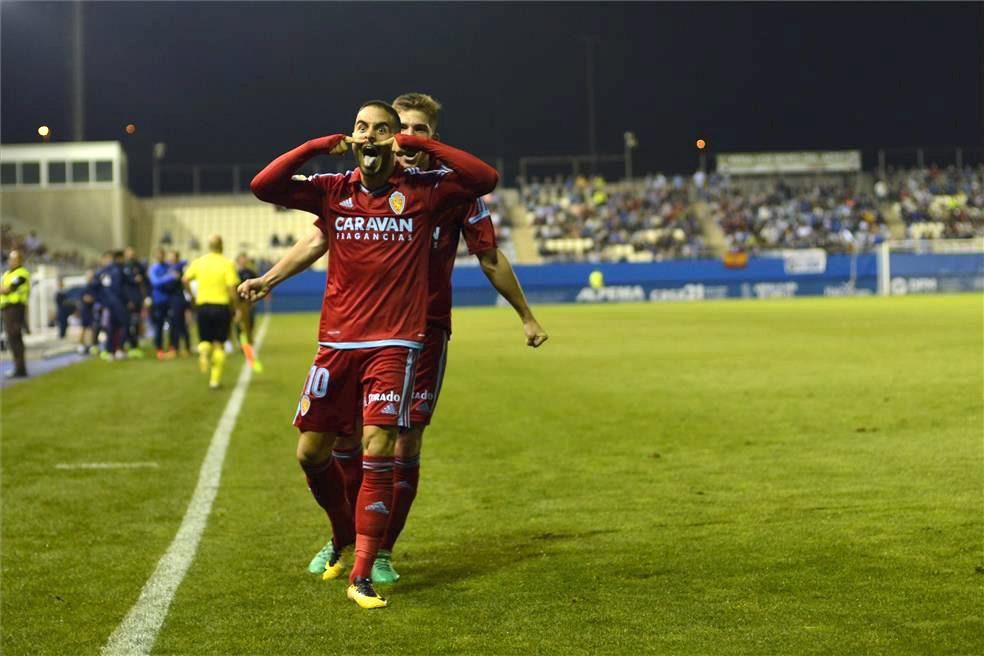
x: 460, y: 560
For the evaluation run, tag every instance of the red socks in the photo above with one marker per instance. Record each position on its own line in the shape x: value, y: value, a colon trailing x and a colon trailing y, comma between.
x: 406, y: 475
x: 328, y: 489
x: 349, y: 463
x: 372, y: 512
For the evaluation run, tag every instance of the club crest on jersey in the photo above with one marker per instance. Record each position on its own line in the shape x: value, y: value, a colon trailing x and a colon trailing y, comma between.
x: 305, y: 404
x: 398, y: 202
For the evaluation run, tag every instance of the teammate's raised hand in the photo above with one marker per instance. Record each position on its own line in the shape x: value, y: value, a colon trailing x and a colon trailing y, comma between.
x: 535, y: 334
x: 253, y: 290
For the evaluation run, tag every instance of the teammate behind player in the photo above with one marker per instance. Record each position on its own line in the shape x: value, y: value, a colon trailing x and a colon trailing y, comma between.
x: 377, y: 221
x: 216, y: 299
x: 419, y: 117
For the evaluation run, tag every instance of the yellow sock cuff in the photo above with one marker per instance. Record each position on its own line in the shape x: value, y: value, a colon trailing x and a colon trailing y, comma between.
x: 204, y: 347
x: 218, y: 356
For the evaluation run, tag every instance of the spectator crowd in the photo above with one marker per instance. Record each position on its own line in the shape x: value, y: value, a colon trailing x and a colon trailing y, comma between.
x: 581, y: 219
x: 34, y: 248
x: 825, y: 216
x: 578, y: 218
x: 936, y: 202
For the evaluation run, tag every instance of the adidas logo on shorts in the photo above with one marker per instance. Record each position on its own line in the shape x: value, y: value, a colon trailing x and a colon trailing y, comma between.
x: 390, y: 409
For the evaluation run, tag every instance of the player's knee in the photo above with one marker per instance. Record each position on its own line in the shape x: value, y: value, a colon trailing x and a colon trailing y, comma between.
x: 313, y: 448
x: 409, y: 442
x: 347, y: 442
x: 379, y: 440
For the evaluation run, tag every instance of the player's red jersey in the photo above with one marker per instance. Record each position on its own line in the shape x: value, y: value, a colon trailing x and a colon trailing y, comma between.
x: 472, y: 220
x: 376, y: 290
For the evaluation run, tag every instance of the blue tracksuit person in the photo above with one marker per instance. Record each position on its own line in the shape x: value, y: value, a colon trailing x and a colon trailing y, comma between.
x: 165, y: 282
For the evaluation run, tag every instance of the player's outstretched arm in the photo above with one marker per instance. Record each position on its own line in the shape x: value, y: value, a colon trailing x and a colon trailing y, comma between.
x: 300, y: 256
x: 274, y: 184
x: 474, y: 175
x: 499, y: 271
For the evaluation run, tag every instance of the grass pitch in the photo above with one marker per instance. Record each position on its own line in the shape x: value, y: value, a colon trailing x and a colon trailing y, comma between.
x: 781, y: 477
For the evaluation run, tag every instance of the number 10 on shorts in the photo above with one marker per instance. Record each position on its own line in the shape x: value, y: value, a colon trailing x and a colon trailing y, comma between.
x: 317, y: 382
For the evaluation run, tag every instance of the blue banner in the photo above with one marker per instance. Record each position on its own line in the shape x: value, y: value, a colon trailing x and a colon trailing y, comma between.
x: 694, y: 280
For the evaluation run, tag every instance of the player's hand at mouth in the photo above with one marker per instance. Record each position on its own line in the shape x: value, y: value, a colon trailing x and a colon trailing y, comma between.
x: 371, y: 151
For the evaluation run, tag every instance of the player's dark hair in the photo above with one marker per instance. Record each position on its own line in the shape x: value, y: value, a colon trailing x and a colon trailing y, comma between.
x: 421, y: 102
x: 386, y: 107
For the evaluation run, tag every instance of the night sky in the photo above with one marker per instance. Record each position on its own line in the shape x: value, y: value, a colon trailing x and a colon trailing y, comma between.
x: 242, y: 82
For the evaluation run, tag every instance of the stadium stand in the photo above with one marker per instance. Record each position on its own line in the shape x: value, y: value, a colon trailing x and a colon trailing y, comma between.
x: 834, y: 218
x: 938, y: 203
x: 244, y: 223
x: 577, y: 219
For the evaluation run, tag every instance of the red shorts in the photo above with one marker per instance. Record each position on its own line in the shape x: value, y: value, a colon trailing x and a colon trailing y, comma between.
x: 379, y: 380
x: 430, y: 375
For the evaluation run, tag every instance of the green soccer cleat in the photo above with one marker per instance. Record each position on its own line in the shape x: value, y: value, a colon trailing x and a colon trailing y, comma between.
x: 320, y: 560
x: 382, y: 569
x: 362, y: 593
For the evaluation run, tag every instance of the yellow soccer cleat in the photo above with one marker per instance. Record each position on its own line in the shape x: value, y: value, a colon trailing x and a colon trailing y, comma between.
x: 362, y: 593
x: 335, y: 566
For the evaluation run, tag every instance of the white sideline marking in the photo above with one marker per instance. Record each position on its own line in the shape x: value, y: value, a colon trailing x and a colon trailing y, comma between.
x: 138, y: 630
x: 107, y: 465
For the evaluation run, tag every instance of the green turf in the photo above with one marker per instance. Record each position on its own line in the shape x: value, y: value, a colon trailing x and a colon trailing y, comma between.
x: 781, y: 477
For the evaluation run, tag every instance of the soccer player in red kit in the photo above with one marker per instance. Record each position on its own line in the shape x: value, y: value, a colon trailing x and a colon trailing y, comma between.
x: 376, y: 221
x: 419, y: 117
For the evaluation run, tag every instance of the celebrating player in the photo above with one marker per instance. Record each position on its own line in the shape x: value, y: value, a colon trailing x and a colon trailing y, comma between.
x: 376, y: 221
x: 419, y: 117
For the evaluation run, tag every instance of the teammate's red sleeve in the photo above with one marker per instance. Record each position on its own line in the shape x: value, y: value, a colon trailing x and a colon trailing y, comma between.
x: 469, y: 175
x: 477, y: 228
x: 274, y: 184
